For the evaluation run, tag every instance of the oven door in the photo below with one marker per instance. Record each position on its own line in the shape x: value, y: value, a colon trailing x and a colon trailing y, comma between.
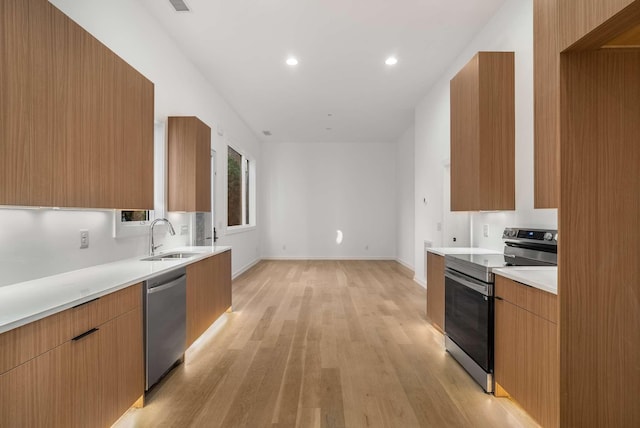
x: 469, y: 317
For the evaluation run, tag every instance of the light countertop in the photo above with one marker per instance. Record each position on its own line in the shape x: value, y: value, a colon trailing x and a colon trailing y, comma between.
x: 542, y: 277
x: 30, y: 301
x: 443, y: 251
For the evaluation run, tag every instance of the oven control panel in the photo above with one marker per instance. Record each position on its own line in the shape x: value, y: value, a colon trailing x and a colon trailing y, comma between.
x: 542, y: 236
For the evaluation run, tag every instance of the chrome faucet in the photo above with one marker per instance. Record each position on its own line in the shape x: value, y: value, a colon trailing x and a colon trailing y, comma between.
x: 152, y: 247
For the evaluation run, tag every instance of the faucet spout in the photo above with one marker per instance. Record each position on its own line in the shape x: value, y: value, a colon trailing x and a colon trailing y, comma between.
x: 152, y: 246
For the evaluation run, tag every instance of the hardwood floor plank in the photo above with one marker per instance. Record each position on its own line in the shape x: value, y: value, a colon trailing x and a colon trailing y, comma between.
x: 315, y: 344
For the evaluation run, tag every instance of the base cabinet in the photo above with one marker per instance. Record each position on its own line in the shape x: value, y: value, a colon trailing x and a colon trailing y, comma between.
x: 435, y: 290
x: 208, y: 293
x: 90, y: 380
x: 527, y: 360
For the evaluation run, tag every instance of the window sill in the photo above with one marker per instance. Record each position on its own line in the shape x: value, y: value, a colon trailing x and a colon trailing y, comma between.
x: 232, y: 230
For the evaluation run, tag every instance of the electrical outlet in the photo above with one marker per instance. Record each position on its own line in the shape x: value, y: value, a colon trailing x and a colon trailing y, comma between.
x: 84, y: 238
x: 439, y: 226
x: 485, y: 230
x: 366, y: 247
x: 184, y: 230
x: 284, y: 248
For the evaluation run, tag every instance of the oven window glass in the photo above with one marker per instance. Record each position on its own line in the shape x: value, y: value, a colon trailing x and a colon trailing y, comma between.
x: 469, y: 322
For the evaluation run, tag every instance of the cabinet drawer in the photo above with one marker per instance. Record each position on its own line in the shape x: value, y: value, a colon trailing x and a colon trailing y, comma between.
x: 24, y: 343
x: 536, y: 301
x: 96, y: 312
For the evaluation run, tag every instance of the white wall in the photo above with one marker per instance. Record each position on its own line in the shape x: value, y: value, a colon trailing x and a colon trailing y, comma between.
x: 511, y: 29
x: 405, y: 196
x: 38, y: 243
x: 312, y: 190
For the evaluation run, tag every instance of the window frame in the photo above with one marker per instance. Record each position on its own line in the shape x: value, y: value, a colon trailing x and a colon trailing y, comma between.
x: 248, y: 195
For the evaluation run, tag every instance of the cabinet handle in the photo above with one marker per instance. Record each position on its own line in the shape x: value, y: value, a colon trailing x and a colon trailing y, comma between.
x: 85, y: 303
x: 85, y: 334
x: 498, y: 298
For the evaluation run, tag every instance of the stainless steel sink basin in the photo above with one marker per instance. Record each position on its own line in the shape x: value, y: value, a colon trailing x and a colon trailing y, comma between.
x: 169, y: 256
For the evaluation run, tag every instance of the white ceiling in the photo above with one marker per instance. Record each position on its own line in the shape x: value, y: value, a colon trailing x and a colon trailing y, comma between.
x: 241, y: 47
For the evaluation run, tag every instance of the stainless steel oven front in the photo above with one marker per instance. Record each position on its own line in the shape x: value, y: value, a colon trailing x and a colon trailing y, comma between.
x: 468, y: 325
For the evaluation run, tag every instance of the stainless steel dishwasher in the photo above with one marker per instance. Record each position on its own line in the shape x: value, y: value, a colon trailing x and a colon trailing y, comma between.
x: 165, y: 318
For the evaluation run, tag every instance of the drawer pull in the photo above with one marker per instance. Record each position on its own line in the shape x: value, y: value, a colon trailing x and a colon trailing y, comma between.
x: 498, y: 298
x: 85, y: 303
x: 85, y: 334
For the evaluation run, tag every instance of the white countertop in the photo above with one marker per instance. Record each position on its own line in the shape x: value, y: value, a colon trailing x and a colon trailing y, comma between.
x: 542, y: 277
x: 30, y: 301
x: 443, y: 251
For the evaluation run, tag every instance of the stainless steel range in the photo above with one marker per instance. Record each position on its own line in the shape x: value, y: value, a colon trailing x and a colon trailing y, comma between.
x: 469, y: 296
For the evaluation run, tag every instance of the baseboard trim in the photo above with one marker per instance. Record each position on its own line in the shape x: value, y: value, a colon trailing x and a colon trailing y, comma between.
x: 420, y: 282
x: 405, y: 264
x: 245, y: 268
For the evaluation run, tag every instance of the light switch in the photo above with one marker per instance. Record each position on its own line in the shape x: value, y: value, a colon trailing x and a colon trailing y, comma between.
x: 84, y: 238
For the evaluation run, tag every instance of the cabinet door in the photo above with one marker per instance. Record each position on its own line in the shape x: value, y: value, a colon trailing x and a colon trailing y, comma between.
x: 189, y: 165
x: 122, y: 357
x: 483, y: 134
x: 222, y: 283
x: 38, y: 392
x: 435, y: 290
x: 71, y: 129
x: 200, y: 298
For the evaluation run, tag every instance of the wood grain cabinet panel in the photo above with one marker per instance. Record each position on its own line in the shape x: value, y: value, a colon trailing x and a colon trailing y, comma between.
x: 483, y: 134
x: 76, y: 120
x: 189, y: 165
x: 208, y: 293
x: 435, y: 290
x: 78, y: 368
x: 38, y: 393
x: 527, y: 359
x: 580, y: 17
x: 546, y: 97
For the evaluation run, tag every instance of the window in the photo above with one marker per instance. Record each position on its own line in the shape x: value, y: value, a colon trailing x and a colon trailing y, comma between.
x: 240, y: 191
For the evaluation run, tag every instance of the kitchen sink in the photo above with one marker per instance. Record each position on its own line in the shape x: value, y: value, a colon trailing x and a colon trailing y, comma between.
x: 170, y: 256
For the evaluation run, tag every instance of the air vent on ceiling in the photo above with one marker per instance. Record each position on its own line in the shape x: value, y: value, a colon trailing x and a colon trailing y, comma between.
x: 267, y: 133
x: 179, y: 5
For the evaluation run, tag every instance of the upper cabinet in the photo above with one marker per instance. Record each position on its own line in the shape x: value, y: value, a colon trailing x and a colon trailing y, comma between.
x: 189, y: 165
x: 546, y: 75
x: 483, y: 134
x: 76, y: 121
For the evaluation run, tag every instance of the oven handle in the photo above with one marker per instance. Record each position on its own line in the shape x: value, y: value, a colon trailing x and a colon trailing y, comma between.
x: 482, y: 289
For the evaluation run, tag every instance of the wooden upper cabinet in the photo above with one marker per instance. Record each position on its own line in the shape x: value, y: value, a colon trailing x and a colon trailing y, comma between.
x: 189, y: 165
x: 483, y: 134
x: 546, y: 80
x: 76, y: 121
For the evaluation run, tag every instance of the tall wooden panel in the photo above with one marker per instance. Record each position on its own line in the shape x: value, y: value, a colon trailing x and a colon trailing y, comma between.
x: 189, y: 165
x: 483, y: 134
x: 74, y: 133
x: 599, y: 272
x: 435, y: 290
x: 546, y: 93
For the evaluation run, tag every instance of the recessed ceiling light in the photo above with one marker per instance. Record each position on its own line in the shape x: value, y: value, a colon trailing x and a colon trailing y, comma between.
x: 330, y: 114
x: 292, y: 61
x: 328, y: 129
x: 392, y: 60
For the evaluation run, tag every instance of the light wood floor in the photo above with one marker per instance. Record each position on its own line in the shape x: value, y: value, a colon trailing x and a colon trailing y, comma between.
x: 323, y: 344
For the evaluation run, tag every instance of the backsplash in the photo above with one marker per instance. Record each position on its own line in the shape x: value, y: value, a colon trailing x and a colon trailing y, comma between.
x: 35, y: 243
x: 497, y: 221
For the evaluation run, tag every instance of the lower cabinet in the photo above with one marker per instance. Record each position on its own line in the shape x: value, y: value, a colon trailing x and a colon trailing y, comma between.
x: 89, y: 380
x: 208, y: 293
x: 527, y: 360
x: 435, y: 290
